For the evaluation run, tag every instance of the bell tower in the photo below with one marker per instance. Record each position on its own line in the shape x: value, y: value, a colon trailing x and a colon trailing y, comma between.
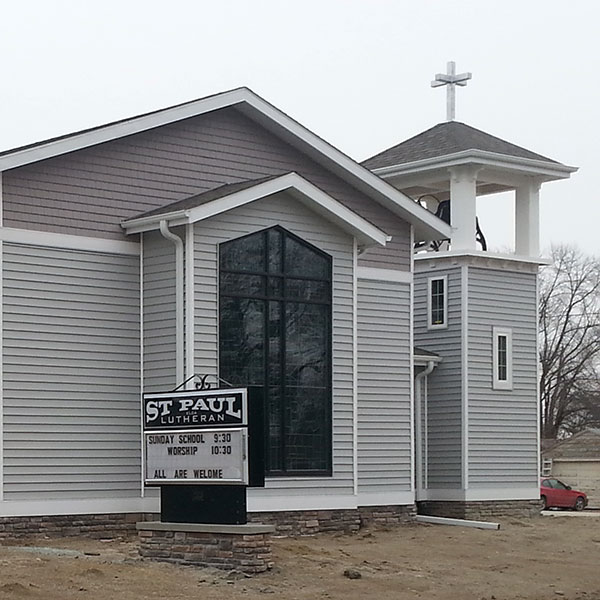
x: 475, y: 311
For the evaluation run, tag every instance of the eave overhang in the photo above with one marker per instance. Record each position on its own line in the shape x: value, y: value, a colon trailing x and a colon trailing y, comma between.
x: 292, y: 184
x: 544, y: 170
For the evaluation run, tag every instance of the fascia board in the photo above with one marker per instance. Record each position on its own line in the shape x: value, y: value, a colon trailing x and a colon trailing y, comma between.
x: 484, y: 256
x: 427, y: 224
x: 304, y: 191
x: 483, y: 158
x: 423, y: 359
x: 121, y: 129
x: 142, y: 224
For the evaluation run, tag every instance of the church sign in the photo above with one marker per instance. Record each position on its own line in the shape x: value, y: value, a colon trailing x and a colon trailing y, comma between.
x: 196, y: 456
x: 183, y: 410
x: 196, y: 437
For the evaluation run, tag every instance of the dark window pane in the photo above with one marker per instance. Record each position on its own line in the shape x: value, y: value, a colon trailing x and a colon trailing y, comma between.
x: 303, y: 289
x: 240, y: 284
x: 502, y: 358
x: 275, y: 287
x: 307, y: 429
x: 244, y: 254
x: 437, y: 302
x: 274, y: 414
x: 274, y: 365
x: 306, y: 345
x: 241, y: 341
x: 280, y: 342
x: 304, y: 261
x: 275, y: 247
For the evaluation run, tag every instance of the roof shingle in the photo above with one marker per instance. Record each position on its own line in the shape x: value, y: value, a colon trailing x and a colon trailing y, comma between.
x: 444, y: 139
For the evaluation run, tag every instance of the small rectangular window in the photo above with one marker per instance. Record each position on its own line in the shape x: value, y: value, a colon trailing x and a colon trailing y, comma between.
x: 437, y: 303
x: 502, y: 358
x: 546, y: 467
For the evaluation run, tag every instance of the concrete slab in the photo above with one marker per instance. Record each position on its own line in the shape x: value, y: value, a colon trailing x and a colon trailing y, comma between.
x: 584, y: 514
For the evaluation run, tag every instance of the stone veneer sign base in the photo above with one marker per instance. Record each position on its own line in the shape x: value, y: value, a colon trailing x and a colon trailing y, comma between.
x: 246, y: 548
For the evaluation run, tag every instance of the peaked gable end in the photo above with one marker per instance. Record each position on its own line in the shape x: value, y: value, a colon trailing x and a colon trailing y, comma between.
x: 90, y: 191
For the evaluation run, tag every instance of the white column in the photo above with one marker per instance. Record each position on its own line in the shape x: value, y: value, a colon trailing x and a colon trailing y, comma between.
x: 527, y: 219
x: 463, y: 207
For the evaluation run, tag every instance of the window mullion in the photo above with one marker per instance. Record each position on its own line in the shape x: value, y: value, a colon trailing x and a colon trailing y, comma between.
x: 282, y: 358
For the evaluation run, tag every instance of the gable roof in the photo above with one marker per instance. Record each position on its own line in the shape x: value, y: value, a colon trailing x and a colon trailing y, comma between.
x: 448, y: 138
x: 204, y: 197
x: 427, y: 225
x: 230, y: 196
x: 583, y: 445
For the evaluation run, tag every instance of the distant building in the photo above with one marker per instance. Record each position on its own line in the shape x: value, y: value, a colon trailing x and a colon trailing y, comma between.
x: 576, y: 461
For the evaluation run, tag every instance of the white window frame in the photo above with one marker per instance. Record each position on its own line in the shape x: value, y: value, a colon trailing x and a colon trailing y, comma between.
x: 497, y: 383
x: 430, y: 324
x: 546, y: 467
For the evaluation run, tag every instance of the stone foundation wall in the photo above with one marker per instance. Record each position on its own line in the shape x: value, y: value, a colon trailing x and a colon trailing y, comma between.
x: 481, y: 511
x: 97, y: 525
x: 285, y: 522
x: 385, y: 516
x: 246, y: 552
x: 310, y: 522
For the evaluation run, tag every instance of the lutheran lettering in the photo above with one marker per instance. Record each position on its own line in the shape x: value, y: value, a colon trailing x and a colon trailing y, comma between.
x: 194, y: 419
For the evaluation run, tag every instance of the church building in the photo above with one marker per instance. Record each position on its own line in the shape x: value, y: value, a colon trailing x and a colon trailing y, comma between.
x: 396, y: 354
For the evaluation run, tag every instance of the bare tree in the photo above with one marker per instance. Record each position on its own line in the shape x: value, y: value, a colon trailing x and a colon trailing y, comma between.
x: 569, y: 342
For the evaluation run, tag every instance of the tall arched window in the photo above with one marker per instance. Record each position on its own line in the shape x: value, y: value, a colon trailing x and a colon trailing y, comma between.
x: 275, y: 332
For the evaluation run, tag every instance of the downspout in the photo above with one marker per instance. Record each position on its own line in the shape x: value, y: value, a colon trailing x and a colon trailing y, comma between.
x: 179, y: 321
x: 418, y: 430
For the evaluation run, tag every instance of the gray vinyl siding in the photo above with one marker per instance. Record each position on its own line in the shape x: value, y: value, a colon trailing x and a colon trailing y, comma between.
x: 295, y: 217
x: 444, y: 385
x: 71, y: 369
x: 384, y: 373
x: 159, y: 313
x: 88, y: 192
x: 502, y: 423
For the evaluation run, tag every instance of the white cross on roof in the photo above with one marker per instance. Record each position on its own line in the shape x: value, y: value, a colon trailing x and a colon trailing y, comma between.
x: 451, y: 79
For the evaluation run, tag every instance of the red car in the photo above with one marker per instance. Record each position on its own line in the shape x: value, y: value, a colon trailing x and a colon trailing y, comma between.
x: 555, y: 493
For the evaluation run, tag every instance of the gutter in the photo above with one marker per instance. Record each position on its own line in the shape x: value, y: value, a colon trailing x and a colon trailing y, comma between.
x: 179, y: 280
x: 418, y: 435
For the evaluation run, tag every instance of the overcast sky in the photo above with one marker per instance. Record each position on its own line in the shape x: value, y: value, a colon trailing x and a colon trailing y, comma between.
x: 356, y: 72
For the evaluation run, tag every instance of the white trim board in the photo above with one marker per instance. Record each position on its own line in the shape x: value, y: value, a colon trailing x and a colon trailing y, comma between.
x: 464, y: 343
x: 260, y: 502
x: 479, y: 258
x: 355, y: 271
x: 292, y: 183
x: 385, y: 498
x: 528, y: 166
x: 263, y: 503
x: 38, y: 508
x: 1, y: 371
x: 141, y: 315
x: 482, y: 494
x: 189, y: 304
x: 30, y: 237
x: 254, y: 107
x: 384, y: 275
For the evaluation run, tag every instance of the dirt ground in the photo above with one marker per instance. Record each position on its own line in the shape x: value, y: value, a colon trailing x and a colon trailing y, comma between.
x: 548, y: 557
